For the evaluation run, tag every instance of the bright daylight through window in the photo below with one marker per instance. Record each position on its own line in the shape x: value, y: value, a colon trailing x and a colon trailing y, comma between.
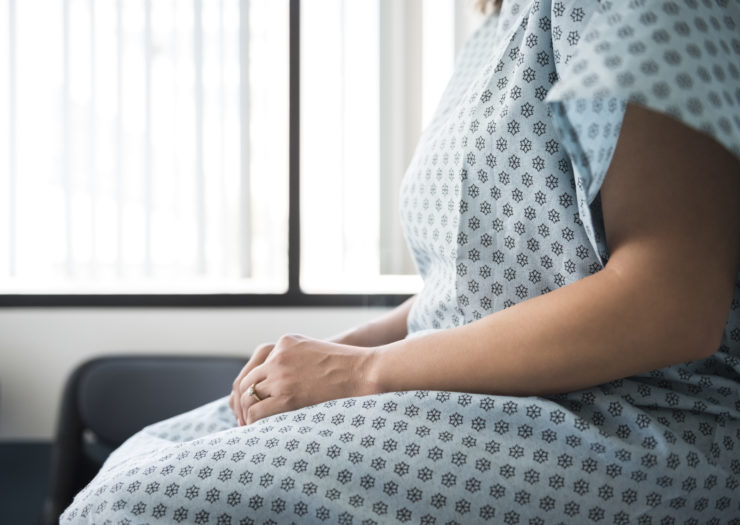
x: 144, y: 144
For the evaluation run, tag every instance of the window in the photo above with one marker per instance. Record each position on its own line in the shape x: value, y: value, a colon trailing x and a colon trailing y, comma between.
x: 145, y: 144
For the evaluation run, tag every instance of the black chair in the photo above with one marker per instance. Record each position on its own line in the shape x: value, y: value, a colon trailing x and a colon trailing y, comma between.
x: 108, y: 399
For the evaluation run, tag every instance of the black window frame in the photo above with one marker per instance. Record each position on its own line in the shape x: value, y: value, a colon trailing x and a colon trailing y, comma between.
x: 294, y: 296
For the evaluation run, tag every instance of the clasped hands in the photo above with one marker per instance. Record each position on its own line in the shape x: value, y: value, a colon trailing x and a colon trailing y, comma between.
x: 296, y: 372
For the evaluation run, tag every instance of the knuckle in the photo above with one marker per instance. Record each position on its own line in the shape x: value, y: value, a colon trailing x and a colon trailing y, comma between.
x: 280, y: 358
x: 261, y: 350
x: 288, y: 339
x: 290, y: 400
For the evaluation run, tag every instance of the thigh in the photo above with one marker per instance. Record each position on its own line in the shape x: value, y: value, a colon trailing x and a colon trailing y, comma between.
x: 421, y: 457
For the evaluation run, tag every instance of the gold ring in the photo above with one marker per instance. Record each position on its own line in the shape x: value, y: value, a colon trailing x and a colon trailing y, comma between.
x: 251, y: 391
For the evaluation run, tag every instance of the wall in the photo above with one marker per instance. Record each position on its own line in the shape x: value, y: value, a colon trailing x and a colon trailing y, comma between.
x: 39, y: 347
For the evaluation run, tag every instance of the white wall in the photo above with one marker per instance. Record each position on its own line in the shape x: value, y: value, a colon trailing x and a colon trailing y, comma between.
x: 39, y: 347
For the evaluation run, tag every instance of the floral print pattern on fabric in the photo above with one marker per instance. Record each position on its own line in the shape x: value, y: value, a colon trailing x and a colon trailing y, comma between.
x: 418, y: 457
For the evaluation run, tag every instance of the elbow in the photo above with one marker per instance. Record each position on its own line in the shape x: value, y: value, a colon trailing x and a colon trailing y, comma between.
x: 707, y: 340
x: 696, y: 334
x: 701, y: 317
x: 686, y: 322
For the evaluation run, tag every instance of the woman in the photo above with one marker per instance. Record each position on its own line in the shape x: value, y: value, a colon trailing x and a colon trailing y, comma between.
x: 570, y: 358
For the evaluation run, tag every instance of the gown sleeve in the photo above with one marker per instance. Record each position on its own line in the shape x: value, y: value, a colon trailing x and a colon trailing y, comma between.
x: 679, y: 58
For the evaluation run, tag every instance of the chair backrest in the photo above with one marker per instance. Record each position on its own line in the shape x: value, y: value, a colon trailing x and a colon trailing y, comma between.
x: 111, y: 398
x: 118, y: 396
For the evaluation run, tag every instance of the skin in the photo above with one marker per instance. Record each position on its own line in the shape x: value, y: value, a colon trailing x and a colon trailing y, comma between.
x: 673, y: 232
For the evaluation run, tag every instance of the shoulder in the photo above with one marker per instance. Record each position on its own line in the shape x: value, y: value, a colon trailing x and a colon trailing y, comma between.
x: 677, y: 58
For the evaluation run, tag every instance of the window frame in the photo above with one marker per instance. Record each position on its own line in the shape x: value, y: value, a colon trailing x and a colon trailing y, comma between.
x: 292, y: 297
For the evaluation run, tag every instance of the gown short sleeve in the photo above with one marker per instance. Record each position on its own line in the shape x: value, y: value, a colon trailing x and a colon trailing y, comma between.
x: 680, y: 58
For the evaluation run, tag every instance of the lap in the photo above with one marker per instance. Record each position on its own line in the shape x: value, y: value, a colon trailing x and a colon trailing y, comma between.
x: 408, y: 457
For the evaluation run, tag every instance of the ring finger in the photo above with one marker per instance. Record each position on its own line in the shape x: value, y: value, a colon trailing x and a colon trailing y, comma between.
x: 247, y: 399
x: 257, y: 359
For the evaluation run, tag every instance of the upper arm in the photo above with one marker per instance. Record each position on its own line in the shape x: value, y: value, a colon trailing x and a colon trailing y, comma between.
x: 672, y: 222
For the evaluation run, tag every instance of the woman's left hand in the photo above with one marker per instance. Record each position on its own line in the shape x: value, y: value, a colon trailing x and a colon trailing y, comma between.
x: 300, y: 371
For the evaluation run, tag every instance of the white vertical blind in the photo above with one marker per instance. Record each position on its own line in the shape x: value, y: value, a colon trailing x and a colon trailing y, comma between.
x: 437, y: 53
x: 268, y: 130
x: 40, y: 218
x: 372, y: 72
x: 243, y: 119
x: 402, y: 92
x: 144, y: 143
x: 339, y: 139
x: 124, y: 158
x: 7, y: 136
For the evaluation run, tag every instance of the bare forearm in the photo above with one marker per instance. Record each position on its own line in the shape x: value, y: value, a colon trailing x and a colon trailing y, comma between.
x: 386, y: 329
x: 592, y: 331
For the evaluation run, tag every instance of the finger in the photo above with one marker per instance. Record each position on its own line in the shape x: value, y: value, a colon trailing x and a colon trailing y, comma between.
x: 258, y: 357
x: 233, y: 403
x: 265, y: 408
x: 232, y: 395
x: 248, y: 403
x: 257, y: 378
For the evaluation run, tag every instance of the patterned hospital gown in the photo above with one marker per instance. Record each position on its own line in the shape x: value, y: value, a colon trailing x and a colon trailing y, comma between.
x: 500, y: 204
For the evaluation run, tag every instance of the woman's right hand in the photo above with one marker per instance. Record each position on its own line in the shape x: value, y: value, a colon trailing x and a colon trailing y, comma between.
x: 258, y: 357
